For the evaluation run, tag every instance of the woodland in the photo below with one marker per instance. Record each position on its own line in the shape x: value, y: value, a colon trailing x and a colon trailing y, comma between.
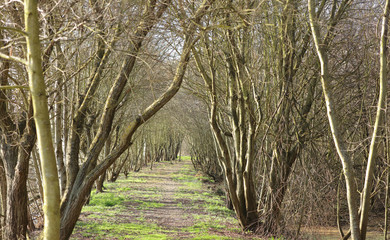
x: 283, y: 103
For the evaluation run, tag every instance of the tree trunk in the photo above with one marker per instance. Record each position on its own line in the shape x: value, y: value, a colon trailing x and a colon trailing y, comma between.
x: 102, y: 178
x: 37, y: 86
x: 99, y: 182
x: 352, y: 196
x: 58, y: 124
x: 3, y: 196
x: 16, y: 142
x: 116, y: 170
x: 282, y: 163
x: 38, y: 173
x: 381, y: 111
x: 84, y: 104
x: 15, y: 160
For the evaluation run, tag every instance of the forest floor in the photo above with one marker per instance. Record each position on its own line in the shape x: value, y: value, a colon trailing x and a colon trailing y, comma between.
x: 171, y: 201
x: 168, y: 202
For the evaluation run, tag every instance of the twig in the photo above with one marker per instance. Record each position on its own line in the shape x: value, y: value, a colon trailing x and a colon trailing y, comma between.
x: 16, y: 59
x: 13, y: 87
x: 15, y: 30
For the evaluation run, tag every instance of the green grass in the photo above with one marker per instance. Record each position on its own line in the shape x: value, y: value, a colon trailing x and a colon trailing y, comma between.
x: 105, y: 199
x: 185, y: 158
x: 154, y: 195
x: 106, y: 230
x: 201, y: 227
x: 132, y: 179
x: 183, y: 178
x: 218, y: 209
x: 123, y: 189
x: 216, y: 221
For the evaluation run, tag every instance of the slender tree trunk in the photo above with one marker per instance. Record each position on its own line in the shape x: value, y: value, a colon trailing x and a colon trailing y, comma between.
x: 226, y: 157
x: 100, y: 181
x: 116, y: 170
x: 386, y: 222
x: 66, y: 112
x: 41, y: 117
x: 335, y: 127
x: 58, y: 124
x: 3, y: 196
x: 84, y: 104
x: 38, y: 173
x: 381, y: 111
x: 387, y: 191
x: 233, y: 170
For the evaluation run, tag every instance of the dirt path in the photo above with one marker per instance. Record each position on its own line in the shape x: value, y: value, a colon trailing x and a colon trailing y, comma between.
x: 171, y: 215
x: 168, y: 202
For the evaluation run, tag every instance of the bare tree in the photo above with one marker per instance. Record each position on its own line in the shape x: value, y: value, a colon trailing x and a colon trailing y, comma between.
x: 357, y: 232
x: 51, y: 189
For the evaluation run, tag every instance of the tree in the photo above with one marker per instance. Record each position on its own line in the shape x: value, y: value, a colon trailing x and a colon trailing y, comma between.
x: 84, y: 135
x: 41, y: 118
x: 111, y: 68
x: 335, y: 125
x: 357, y: 232
x: 258, y: 114
x: 81, y: 180
x: 381, y: 111
x: 16, y: 155
x: 17, y: 132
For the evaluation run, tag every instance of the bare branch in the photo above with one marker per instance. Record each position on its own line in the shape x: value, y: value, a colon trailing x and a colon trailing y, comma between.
x: 13, y: 87
x: 12, y: 58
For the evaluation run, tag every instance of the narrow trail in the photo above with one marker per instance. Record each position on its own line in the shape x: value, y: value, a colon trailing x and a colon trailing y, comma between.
x: 168, y: 202
x: 171, y: 213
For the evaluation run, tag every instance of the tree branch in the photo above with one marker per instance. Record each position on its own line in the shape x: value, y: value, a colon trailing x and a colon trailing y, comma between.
x: 16, y: 59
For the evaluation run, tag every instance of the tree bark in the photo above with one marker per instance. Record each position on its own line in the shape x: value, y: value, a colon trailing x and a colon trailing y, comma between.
x: 51, y: 189
x: 381, y: 111
x: 15, y: 160
x: 99, y: 182
x: 3, y: 196
x: 102, y: 178
x: 58, y: 123
x: 281, y: 167
x: 352, y: 196
x: 38, y: 172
